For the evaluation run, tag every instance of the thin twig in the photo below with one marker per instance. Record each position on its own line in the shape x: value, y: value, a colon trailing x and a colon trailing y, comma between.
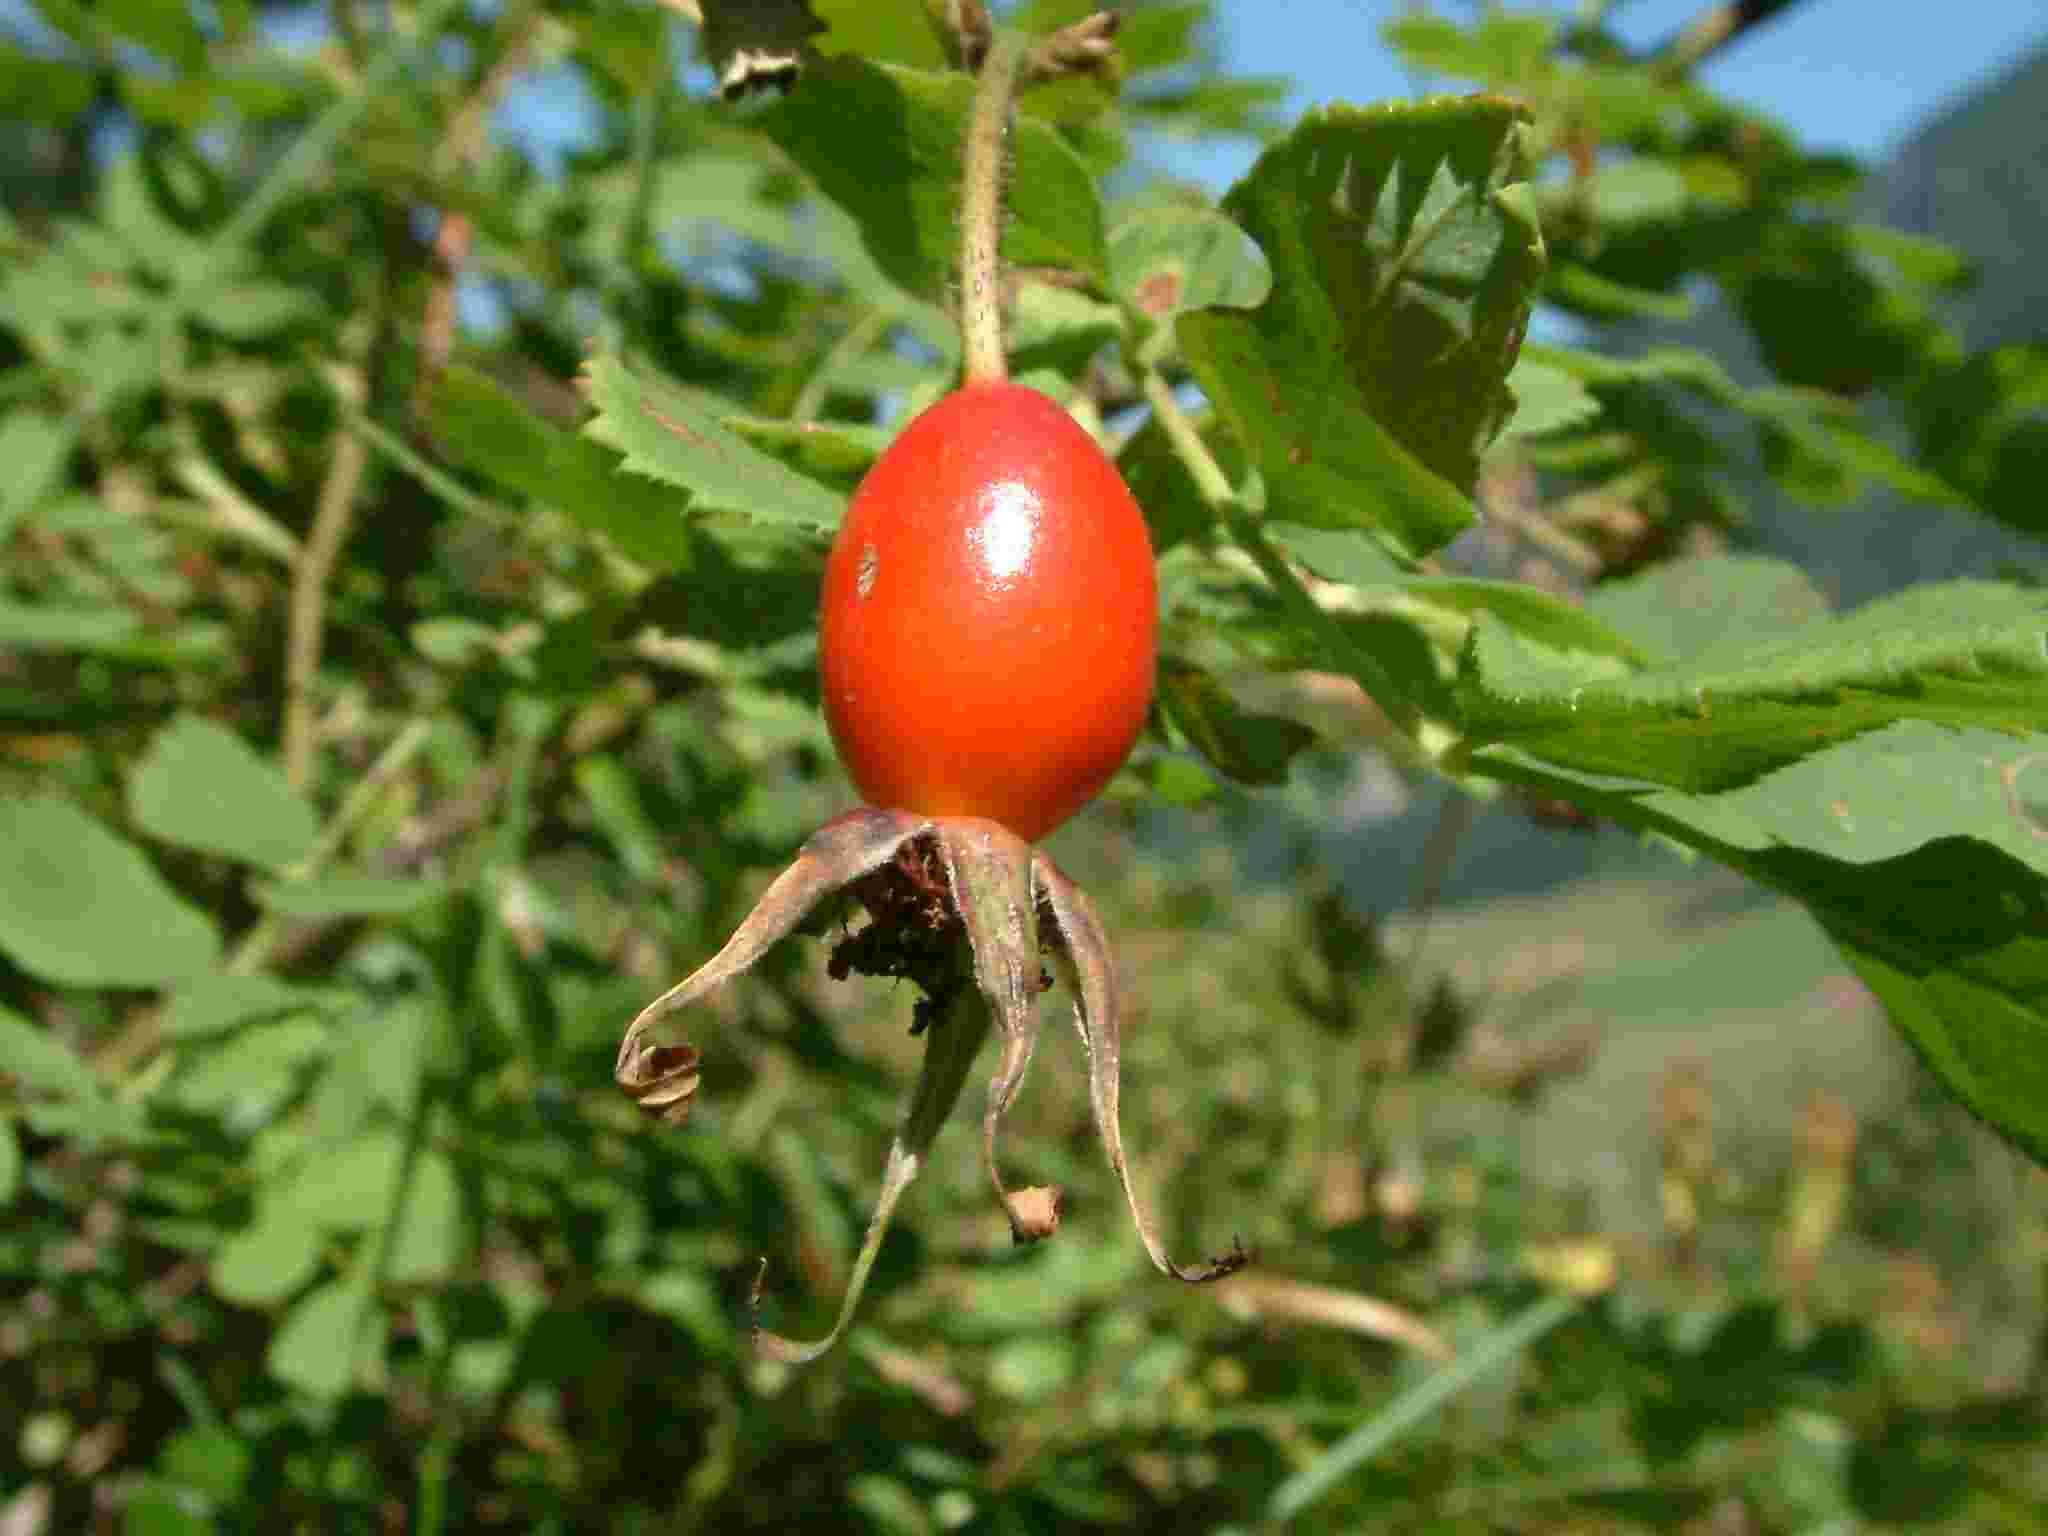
x: 306, y: 631
x: 1181, y: 432
x: 1710, y: 31
x: 861, y: 335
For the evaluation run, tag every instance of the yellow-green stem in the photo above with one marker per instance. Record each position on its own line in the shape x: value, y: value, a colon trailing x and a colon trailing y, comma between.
x: 981, y: 213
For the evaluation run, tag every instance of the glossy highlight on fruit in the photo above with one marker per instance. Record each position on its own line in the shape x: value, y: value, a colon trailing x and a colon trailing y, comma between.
x: 987, y: 640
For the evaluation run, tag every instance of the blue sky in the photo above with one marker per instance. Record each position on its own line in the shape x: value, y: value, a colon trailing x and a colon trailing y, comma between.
x: 1856, y: 75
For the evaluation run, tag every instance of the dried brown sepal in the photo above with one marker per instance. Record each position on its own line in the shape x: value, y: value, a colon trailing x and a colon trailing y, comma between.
x: 661, y: 1074
x: 1035, y: 1212
x: 950, y: 1047
x: 664, y: 1081
x: 1071, y: 930
x: 990, y: 869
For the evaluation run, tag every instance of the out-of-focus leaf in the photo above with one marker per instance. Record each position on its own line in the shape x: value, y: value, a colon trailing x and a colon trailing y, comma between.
x: 49, y: 91
x: 1547, y: 399
x: 68, y: 627
x: 249, y: 1074
x: 32, y: 445
x: 166, y: 30
x: 331, y: 896
x: 1983, y: 427
x: 885, y: 142
x: 1690, y: 610
x: 317, y: 1349
x: 1055, y: 332
x: 41, y: 1063
x: 1636, y: 190
x: 674, y: 435
x: 248, y: 311
x: 481, y: 425
x: 1249, y: 748
x: 1582, y: 289
x: 212, y: 1004
x: 268, y: 1260
x: 201, y: 786
x: 10, y: 1163
x: 429, y: 1242
x: 82, y: 907
x: 212, y: 1462
x: 1405, y: 255
x: 1502, y: 46
x: 894, y: 31
x: 349, y: 1188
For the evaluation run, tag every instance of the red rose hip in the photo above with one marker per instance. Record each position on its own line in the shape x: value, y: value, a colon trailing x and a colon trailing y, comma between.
x: 987, y: 638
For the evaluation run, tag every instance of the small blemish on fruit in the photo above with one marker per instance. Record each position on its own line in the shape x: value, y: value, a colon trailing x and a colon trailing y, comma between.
x: 1297, y: 453
x: 870, y: 563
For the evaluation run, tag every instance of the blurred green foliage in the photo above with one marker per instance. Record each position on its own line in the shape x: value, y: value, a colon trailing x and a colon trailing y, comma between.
x: 406, y: 643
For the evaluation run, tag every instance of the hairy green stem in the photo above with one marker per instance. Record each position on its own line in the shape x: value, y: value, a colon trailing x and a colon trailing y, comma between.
x: 1187, y: 442
x: 981, y: 213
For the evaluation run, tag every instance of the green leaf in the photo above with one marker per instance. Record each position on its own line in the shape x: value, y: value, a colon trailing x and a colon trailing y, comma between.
x: 836, y: 452
x: 884, y: 143
x: 428, y: 1244
x: 332, y: 896
x: 245, y: 1077
x: 166, y: 30
x: 62, y: 1092
x: 249, y: 311
x: 48, y: 91
x: 678, y: 436
x: 215, y: 1003
x: 1166, y: 261
x: 33, y: 446
x: 269, y: 1260
x: 201, y: 786
x: 1960, y: 654
x: 1637, y: 190
x: 1052, y: 329
x: 1578, y: 288
x: 10, y: 1163
x: 317, y: 1349
x: 377, y: 1062
x: 1247, y: 747
x: 1547, y: 399
x: 1716, y: 604
x: 482, y: 426
x: 1953, y: 939
x: 1442, y: 607
x: 1405, y: 254
x: 895, y: 30
x: 349, y: 1188
x: 1983, y: 426
x: 82, y: 907
x: 213, y: 1462
x: 67, y: 627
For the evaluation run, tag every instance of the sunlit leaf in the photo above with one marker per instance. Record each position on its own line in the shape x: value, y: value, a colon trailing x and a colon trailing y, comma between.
x: 884, y: 142
x: 201, y: 786
x: 82, y: 907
